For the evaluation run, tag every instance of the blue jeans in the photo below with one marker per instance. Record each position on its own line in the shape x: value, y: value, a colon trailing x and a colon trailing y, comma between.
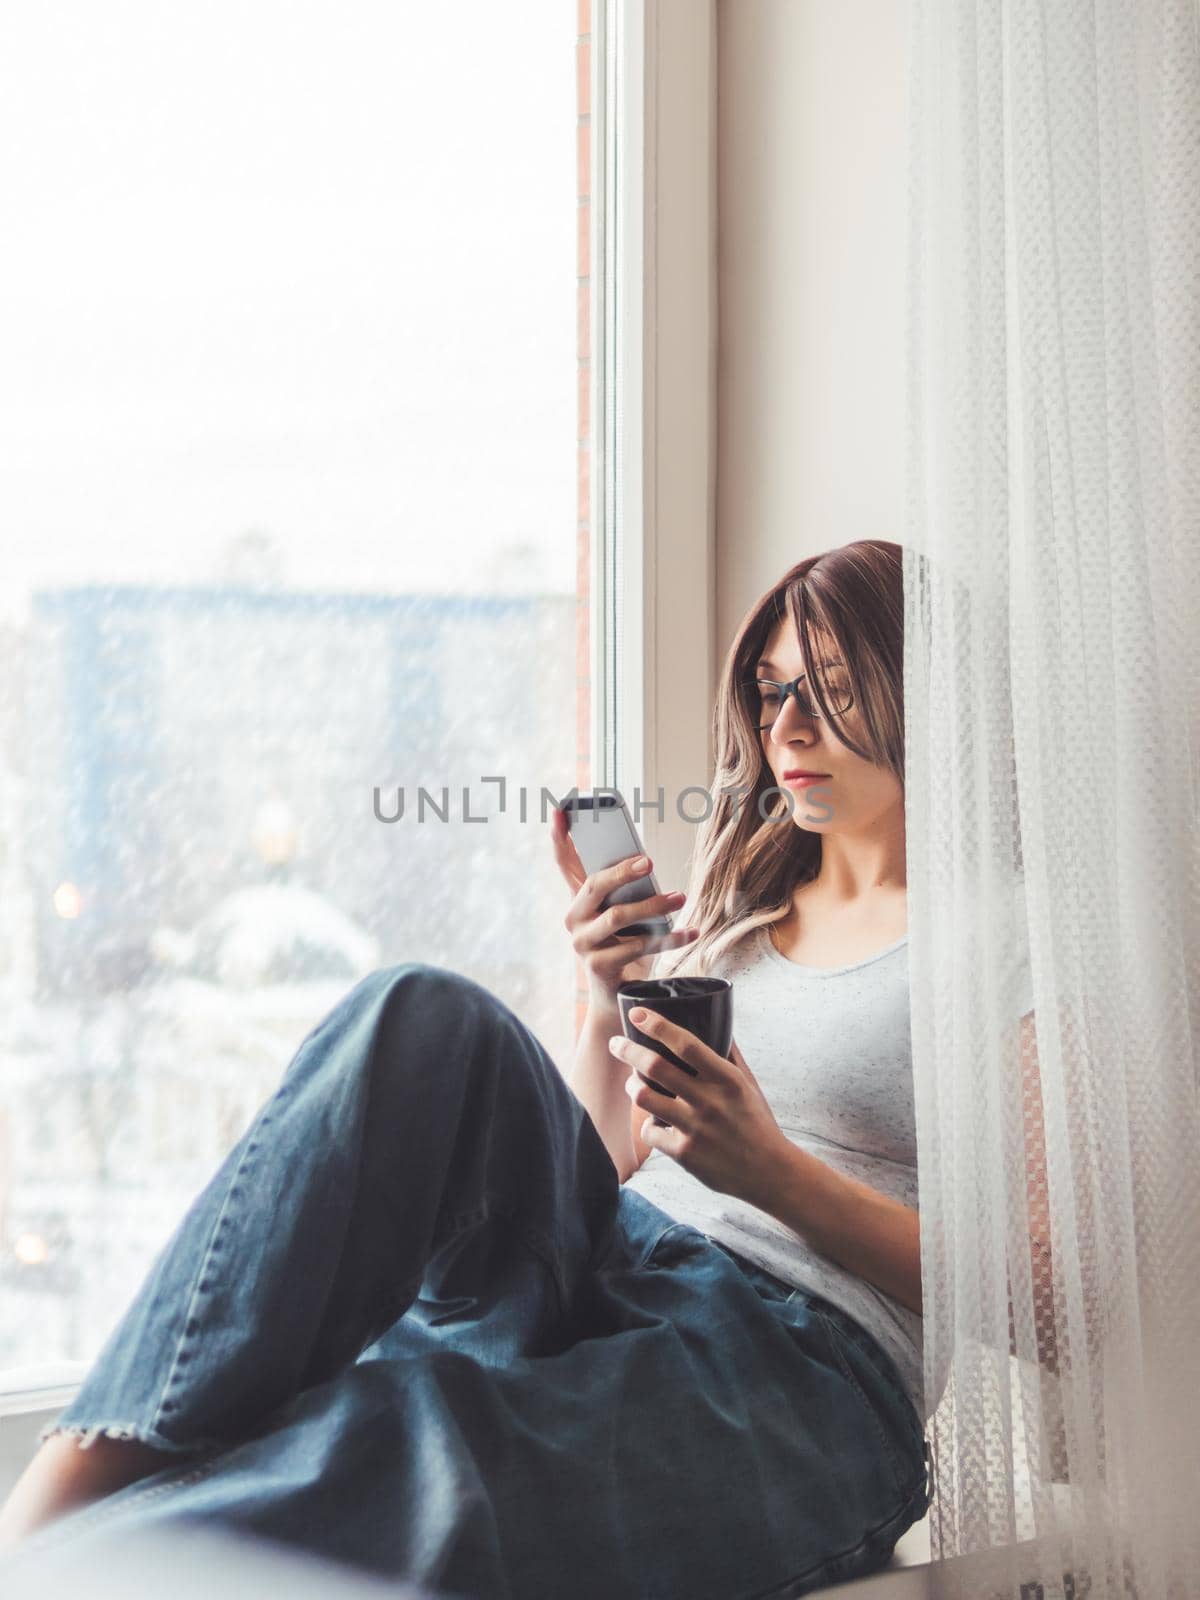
x: 414, y: 1324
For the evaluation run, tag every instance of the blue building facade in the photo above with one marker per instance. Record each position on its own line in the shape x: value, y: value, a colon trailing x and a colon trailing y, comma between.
x: 160, y: 722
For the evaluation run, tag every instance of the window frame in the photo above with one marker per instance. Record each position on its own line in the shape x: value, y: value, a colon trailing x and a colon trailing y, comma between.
x: 654, y: 410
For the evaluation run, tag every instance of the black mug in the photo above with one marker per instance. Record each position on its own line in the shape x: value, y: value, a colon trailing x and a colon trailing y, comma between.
x: 704, y: 1006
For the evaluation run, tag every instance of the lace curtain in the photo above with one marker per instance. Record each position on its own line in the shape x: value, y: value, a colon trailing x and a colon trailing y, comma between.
x: 1052, y: 574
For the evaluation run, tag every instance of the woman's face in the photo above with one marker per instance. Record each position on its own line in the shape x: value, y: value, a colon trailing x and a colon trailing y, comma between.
x: 855, y: 795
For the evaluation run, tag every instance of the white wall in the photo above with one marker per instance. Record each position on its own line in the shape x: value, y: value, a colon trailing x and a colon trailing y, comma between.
x: 811, y: 127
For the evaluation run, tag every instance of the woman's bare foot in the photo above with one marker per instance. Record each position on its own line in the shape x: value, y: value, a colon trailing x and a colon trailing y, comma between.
x: 62, y: 1477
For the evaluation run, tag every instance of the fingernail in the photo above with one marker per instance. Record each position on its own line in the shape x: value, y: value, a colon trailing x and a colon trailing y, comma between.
x: 638, y: 1014
x: 641, y: 863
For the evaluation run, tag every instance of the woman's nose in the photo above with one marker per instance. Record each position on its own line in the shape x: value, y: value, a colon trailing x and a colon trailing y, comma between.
x: 790, y: 721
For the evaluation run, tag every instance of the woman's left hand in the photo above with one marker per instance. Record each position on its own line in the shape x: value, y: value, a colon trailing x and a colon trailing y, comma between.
x: 721, y: 1129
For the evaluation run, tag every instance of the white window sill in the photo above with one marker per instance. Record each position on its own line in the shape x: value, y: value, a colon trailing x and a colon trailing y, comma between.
x: 42, y: 1388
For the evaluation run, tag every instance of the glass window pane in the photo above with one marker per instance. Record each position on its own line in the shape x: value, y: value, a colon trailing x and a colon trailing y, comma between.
x: 291, y: 489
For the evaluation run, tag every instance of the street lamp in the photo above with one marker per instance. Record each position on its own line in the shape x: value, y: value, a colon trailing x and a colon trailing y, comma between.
x: 275, y: 835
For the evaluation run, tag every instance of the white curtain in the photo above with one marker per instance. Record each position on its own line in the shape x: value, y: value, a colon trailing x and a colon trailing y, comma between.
x: 1052, y: 575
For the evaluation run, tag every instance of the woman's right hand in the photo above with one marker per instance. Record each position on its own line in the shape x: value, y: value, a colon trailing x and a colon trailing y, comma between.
x: 610, y: 960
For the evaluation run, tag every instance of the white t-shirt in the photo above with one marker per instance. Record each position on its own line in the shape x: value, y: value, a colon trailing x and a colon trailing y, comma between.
x: 831, y: 1049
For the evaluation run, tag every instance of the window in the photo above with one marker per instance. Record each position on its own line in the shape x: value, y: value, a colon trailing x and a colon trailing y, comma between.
x: 296, y: 372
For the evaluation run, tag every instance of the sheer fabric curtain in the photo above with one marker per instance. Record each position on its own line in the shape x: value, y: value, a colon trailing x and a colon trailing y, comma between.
x: 1052, y: 691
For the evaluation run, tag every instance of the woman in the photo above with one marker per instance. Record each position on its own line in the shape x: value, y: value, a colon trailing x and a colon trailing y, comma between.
x: 442, y: 1318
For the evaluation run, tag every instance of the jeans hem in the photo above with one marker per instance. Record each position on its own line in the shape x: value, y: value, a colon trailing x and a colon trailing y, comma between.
x: 87, y: 1434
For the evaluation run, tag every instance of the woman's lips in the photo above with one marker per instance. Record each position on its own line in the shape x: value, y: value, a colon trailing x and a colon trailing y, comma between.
x: 804, y: 783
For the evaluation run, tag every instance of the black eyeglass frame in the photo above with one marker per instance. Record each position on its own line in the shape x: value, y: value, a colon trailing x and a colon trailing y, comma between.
x: 793, y: 688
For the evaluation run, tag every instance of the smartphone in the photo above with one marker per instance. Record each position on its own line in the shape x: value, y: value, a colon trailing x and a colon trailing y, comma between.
x: 603, y: 833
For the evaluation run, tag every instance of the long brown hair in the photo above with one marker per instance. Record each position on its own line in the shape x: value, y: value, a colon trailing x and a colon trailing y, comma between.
x: 744, y: 866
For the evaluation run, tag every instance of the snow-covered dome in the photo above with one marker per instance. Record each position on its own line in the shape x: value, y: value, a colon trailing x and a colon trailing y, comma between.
x: 271, y: 933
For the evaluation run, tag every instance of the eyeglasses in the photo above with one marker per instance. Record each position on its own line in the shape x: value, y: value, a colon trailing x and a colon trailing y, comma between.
x: 765, y: 697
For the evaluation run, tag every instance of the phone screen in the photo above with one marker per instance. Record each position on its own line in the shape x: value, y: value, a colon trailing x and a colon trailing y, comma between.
x: 604, y: 833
